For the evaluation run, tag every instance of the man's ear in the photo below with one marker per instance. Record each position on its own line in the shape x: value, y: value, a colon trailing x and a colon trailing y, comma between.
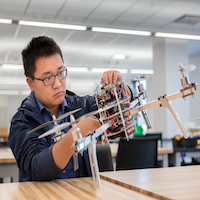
x: 30, y: 83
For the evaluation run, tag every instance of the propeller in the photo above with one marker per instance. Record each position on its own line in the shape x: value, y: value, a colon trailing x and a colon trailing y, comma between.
x: 54, y: 120
x: 137, y: 78
x: 55, y: 128
x: 73, y: 121
x: 188, y: 68
x: 196, y: 118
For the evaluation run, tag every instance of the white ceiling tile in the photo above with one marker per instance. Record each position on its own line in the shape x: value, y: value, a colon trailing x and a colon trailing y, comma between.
x: 77, y: 8
x: 111, y: 9
x: 12, y: 9
x: 2, y: 55
x: 142, y: 10
x: 170, y: 13
x: 44, y: 8
x: 57, y: 34
x: 7, y: 31
x: 27, y: 32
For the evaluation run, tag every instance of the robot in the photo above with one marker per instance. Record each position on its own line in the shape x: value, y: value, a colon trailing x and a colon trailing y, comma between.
x: 117, y: 117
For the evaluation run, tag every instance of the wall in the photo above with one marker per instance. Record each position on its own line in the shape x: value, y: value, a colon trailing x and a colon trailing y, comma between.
x: 195, y: 78
x: 4, y: 107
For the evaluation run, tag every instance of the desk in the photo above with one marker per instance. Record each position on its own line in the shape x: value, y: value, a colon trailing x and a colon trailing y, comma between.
x: 184, y: 152
x: 179, y: 183
x: 4, y: 133
x: 74, y: 189
x: 8, y: 165
x: 162, y: 153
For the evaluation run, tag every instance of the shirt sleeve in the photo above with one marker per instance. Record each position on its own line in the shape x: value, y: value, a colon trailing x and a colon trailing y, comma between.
x: 34, y: 156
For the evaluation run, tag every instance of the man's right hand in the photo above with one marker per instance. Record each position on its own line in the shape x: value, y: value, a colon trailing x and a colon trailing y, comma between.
x: 88, y: 124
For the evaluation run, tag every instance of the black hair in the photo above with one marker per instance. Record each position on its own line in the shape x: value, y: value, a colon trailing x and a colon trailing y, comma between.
x: 38, y: 47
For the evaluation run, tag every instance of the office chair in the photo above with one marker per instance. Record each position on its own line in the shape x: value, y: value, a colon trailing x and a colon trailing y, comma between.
x: 104, y: 157
x: 154, y: 135
x: 137, y: 153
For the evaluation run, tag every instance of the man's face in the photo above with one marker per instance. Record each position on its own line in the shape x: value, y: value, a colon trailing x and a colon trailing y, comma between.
x: 52, y: 95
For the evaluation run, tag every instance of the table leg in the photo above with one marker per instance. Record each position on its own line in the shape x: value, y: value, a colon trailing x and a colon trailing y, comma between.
x: 9, y: 170
x: 178, y: 159
x: 165, y: 160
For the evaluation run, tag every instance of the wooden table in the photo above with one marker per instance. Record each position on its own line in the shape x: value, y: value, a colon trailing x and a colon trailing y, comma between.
x: 8, y: 165
x: 75, y: 189
x: 162, y: 153
x: 179, y: 183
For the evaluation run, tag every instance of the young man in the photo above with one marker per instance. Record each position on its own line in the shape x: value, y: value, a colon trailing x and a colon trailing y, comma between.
x: 43, y: 159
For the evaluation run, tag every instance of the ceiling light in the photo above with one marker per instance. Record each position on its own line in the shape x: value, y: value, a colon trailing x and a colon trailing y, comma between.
x: 6, y: 81
x: 77, y: 69
x: 121, y: 31
x: 119, y: 56
x: 141, y: 71
x: 52, y: 25
x: 9, y: 66
x: 6, y: 21
x: 25, y: 92
x: 81, y: 84
x: 9, y: 92
x: 124, y: 71
x: 178, y: 36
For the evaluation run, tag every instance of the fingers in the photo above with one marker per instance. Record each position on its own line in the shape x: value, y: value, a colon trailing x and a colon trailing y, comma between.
x: 111, y: 77
x: 88, y: 124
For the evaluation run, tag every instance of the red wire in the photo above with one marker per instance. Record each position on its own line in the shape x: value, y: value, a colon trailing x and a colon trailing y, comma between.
x: 111, y: 119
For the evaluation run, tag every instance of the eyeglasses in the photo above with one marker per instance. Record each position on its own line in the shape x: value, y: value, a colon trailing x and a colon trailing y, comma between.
x: 51, y: 79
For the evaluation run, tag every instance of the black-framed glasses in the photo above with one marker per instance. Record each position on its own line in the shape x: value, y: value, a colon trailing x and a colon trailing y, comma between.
x: 51, y: 79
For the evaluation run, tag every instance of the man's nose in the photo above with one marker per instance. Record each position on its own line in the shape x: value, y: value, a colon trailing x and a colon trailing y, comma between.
x: 56, y: 82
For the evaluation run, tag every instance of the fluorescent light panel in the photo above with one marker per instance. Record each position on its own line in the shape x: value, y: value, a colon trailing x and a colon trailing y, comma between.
x: 52, y: 25
x: 13, y: 82
x: 119, y: 56
x: 141, y: 71
x: 81, y: 84
x: 124, y: 71
x: 14, y: 92
x: 6, y: 21
x: 10, y: 66
x: 121, y: 31
x: 9, y: 92
x: 177, y: 36
x: 77, y: 69
x: 25, y: 92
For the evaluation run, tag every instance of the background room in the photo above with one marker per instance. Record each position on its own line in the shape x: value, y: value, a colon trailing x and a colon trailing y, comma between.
x: 89, y: 51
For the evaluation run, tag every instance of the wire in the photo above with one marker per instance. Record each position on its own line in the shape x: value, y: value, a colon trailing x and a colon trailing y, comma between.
x: 99, y: 84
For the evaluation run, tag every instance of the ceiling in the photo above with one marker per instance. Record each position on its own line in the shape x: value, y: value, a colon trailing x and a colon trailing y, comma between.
x: 93, y: 49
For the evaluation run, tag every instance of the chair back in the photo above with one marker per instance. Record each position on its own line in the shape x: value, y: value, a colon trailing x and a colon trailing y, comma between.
x: 137, y: 153
x: 154, y: 135
x: 104, y: 157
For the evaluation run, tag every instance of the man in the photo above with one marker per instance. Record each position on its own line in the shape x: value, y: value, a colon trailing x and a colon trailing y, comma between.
x: 43, y: 159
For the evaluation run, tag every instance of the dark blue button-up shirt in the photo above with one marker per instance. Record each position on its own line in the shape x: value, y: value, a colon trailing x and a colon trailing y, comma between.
x: 68, y: 172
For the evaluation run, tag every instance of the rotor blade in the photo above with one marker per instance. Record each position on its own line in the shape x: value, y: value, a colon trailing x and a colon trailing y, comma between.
x: 189, y: 68
x: 41, y: 126
x: 59, y: 118
x: 181, y: 66
x: 87, y: 115
x: 55, y: 128
x: 68, y: 113
x: 72, y: 120
x: 196, y: 118
x: 138, y: 79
